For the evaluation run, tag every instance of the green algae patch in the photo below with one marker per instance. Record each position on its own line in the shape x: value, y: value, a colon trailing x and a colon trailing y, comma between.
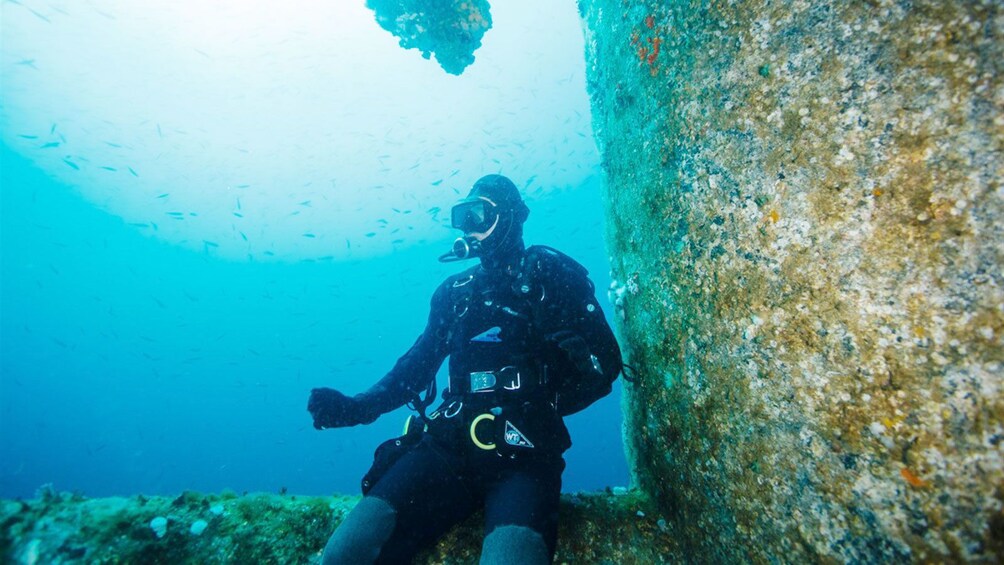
x: 225, y: 528
x: 270, y: 528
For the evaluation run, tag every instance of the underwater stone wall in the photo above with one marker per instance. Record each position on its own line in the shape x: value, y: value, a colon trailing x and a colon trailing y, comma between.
x: 806, y: 229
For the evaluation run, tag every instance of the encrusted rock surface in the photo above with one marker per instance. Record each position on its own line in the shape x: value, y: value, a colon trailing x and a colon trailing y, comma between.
x: 269, y: 528
x: 449, y: 29
x: 806, y: 226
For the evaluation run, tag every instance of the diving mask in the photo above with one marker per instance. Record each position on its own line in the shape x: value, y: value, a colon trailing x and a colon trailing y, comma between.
x: 474, y: 216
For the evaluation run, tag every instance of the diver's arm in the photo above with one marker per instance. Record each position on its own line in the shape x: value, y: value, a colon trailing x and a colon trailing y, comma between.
x: 585, y: 337
x: 415, y: 369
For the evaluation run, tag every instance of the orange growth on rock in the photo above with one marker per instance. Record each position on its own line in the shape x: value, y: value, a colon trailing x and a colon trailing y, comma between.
x: 655, y: 50
x: 774, y: 216
x: 650, y: 22
x: 914, y: 480
x: 642, y: 53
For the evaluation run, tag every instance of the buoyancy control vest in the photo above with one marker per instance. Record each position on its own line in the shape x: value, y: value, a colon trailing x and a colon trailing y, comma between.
x: 501, y: 366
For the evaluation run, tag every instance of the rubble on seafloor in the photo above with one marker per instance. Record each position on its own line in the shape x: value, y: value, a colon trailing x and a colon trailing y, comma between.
x: 619, y: 526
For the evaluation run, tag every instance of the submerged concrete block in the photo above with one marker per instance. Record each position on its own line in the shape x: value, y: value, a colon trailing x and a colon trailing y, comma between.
x: 806, y: 221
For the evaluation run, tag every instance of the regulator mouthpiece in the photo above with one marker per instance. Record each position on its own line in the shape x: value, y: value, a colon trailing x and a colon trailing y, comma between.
x: 465, y: 247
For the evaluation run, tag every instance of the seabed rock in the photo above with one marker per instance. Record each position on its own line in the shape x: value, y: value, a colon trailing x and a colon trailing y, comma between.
x: 271, y: 528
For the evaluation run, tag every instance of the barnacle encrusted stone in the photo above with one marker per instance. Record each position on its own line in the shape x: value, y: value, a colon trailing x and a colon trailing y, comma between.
x: 810, y: 195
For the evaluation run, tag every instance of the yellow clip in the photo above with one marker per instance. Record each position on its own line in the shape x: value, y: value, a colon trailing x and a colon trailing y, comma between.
x: 409, y: 422
x: 474, y: 436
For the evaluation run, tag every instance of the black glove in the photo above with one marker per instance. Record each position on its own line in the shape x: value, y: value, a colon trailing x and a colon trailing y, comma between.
x: 332, y: 409
x: 577, y: 351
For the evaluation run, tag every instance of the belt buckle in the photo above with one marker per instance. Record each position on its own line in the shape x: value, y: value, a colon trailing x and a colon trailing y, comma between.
x: 483, y: 381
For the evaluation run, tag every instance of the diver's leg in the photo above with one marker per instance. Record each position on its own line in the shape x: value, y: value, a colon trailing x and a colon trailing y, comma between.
x: 361, y: 535
x: 416, y: 501
x: 521, y: 515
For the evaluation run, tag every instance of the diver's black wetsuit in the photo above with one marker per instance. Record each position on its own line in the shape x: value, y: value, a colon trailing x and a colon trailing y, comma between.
x: 494, y: 326
x: 528, y: 345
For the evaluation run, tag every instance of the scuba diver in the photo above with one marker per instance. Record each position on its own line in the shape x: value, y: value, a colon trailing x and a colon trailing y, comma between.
x: 528, y: 345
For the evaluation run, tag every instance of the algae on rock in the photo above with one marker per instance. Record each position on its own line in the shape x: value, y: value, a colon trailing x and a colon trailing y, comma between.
x: 807, y: 197
x: 268, y: 528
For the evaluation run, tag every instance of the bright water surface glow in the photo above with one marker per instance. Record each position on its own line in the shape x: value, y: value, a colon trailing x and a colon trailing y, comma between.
x: 210, y: 208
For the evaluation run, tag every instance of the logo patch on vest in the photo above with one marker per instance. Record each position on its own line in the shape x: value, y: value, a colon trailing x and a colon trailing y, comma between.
x: 492, y: 335
x: 515, y: 437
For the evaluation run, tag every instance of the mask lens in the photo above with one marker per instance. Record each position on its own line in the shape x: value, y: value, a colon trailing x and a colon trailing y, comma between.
x: 472, y: 217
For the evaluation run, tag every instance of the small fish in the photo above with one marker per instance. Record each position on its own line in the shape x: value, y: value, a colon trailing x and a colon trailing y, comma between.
x: 132, y: 171
x: 165, y: 195
x: 244, y: 186
x: 49, y: 145
x: 28, y: 136
x: 176, y: 214
x: 243, y: 235
x: 305, y: 203
x: 398, y: 241
x: 139, y: 225
x: 40, y: 16
x: 238, y: 214
x: 310, y: 235
x: 72, y: 164
x: 112, y: 169
x: 110, y: 144
x: 371, y: 234
x: 437, y: 183
x: 434, y: 210
x: 159, y: 132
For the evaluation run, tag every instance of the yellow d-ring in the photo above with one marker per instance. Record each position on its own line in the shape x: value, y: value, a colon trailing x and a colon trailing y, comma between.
x: 474, y: 436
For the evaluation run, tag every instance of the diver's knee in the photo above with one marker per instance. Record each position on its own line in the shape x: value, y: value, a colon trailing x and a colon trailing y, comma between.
x: 509, y: 545
x: 362, y: 534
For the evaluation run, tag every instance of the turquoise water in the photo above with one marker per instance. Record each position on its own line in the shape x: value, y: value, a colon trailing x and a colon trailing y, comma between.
x: 182, y: 264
